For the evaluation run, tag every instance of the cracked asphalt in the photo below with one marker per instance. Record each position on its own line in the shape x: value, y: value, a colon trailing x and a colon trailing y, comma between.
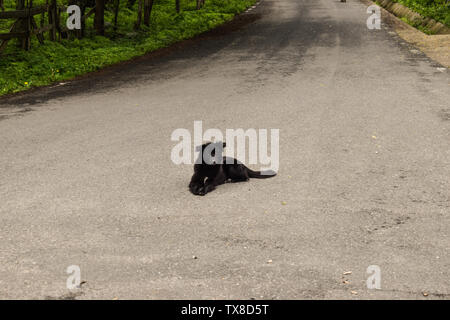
x: 86, y: 177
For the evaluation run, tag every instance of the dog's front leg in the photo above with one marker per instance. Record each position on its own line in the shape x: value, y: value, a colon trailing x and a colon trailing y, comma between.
x: 212, y: 183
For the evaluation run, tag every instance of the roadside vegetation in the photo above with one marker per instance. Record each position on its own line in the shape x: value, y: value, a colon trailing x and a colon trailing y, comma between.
x: 438, y: 10
x: 58, y: 61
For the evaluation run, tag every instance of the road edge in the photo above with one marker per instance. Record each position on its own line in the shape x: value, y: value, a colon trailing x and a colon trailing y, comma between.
x: 230, y: 26
x: 436, y: 47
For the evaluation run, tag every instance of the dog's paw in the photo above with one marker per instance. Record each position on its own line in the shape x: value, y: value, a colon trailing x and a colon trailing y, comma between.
x: 196, y: 189
x: 209, y: 188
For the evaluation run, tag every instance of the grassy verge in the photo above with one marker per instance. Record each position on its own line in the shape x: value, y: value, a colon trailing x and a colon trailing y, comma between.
x: 417, y: 26
x: 438, y: 10
x: 54, y: 61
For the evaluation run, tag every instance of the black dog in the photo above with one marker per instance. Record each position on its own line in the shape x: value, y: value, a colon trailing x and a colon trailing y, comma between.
x: 218, y: 170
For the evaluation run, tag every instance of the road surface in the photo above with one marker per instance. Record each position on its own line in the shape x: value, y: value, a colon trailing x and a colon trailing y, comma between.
x: 364, y: 119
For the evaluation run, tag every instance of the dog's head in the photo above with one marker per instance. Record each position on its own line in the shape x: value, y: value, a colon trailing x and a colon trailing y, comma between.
x: 211, y: 152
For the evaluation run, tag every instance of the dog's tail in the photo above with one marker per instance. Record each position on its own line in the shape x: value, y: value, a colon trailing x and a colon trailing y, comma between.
x: 261, y: 174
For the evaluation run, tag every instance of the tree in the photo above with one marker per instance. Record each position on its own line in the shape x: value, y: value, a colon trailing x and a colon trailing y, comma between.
x: 148, y: 5
x: 200, y: 3
x: 99, y: 19
x: 139, y: 15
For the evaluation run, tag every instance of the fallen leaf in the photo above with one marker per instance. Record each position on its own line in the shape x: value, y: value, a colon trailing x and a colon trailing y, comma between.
x: 283, y: 203
x: 347, y: 272
x: 353, y: 292
x: 425, y: 294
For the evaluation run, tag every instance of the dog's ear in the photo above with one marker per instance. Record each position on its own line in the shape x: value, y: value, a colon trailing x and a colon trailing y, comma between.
x: 203, y: 146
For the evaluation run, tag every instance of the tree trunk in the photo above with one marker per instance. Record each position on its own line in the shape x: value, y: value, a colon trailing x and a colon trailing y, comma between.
x: 200, y: 4
x: 51, y: 20
x: 131, y: 3
x: 139, y: 15
x: 83, y: 21
x: 23, y: 25
x: 99, y: 19
x: 177, y: 5
x: 42, y: 22
x: 148, y: 5
x: 57, y: 20
x: 116, y: 12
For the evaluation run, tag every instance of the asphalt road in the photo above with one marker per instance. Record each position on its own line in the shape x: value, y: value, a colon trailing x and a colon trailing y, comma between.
x: 364, y: 119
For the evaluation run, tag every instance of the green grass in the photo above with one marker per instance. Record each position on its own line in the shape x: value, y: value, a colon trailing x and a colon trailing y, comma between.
x: 417, y: 25
x: 438, y: 10
x: 58, y: 61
